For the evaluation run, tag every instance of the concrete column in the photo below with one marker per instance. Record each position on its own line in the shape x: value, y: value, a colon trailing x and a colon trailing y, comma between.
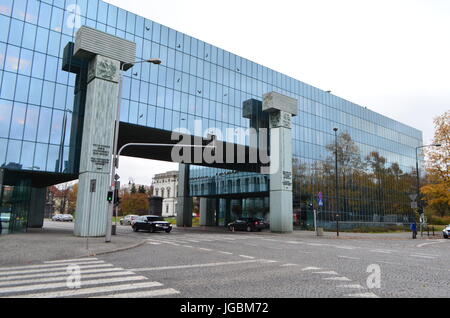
x: 105, y: 54
x: 37, y: 208
x: 207, y: 209
x: 184, y: 205
x: 97, y: 146
x: 281, y: 109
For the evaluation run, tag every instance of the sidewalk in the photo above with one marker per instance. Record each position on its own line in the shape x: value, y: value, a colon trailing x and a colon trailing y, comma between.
x: 52, y: 244
x: 326, y: 235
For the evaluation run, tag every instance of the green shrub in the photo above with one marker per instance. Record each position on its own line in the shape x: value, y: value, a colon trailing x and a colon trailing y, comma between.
x: 436, y: 220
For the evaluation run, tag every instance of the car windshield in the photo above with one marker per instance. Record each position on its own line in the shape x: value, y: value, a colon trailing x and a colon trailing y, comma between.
x: 155, y: 219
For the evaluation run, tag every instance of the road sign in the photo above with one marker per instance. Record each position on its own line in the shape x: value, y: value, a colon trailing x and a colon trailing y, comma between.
x: 414, y: 205
x: 320, y: 199
x: 413, y: 197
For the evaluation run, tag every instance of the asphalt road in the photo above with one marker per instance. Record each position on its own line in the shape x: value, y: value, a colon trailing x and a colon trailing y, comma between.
x: 192, y: 264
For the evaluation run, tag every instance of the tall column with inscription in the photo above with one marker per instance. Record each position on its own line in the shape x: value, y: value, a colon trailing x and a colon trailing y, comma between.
x: 281, y: 109
x: 106, y: 54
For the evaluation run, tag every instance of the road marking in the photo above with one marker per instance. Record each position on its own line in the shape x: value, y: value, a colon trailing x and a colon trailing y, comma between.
x: 44, y: 270
x: 49, y: 266
x: 340, y: 279
x: 289, y: 265
x: 357, y: 286
x: 382, y: 251
x: 150, y: 269
x: 188, y: 246
x: 89, y: 291
x: 348, y: 257
x: 423, y: 256
x: 205, y: 249
x: 61, y: 273
x: 434, y: 242
x: 346, y: 247
x: 364, y: 295
x: 311, y: 269
x: 246, y: 256
x: 154, y: 243
x: 327, y: 273
x: 62, y: 278
x: 62, y: 285
x: 144, y: 294
x: 294, y: 242
x: 71, y: 260
x: 226, y: 253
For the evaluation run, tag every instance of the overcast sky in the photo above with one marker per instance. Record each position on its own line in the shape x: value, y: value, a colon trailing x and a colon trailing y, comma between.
x: 392, y: 56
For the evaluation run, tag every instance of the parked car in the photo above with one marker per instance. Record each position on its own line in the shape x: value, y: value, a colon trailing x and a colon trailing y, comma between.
x: 151, y: 223
x: 446, y: 232
x: 4, y: 217
x: 62, y: 218
x: 57, y: 218
x: 128, y: 220
x: 67, y: 218
x: 247, y: 224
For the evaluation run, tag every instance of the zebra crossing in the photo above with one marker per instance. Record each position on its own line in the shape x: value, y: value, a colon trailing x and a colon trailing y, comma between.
x: 197, y: 238
x: 85, y: 277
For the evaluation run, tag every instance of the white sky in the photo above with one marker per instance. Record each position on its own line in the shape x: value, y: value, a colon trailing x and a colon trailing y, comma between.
x: 390, y: 56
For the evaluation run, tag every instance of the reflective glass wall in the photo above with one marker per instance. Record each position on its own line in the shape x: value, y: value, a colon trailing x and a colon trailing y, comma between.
x: 197, y: 81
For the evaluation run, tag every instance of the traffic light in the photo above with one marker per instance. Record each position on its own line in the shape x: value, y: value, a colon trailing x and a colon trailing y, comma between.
x: 110, y: 196
x: 117, y: 198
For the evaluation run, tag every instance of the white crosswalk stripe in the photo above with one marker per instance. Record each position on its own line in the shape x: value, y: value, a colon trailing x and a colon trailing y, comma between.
x: 97, y: 279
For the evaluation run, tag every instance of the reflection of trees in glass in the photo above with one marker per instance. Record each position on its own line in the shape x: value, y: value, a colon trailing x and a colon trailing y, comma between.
x: 369, y: 187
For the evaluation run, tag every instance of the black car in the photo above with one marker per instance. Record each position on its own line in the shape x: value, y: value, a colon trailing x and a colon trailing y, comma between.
x: 151, y: 224
x: 247, y: 224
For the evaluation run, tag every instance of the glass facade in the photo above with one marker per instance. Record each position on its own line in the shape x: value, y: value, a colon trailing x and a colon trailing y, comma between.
x: 197, y: 81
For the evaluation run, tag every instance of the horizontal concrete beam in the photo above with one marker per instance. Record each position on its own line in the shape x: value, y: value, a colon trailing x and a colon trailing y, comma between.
x: 273, y: 102
x: 90, y: 42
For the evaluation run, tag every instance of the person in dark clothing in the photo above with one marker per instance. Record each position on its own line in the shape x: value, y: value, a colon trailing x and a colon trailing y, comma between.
x: 414, y: 230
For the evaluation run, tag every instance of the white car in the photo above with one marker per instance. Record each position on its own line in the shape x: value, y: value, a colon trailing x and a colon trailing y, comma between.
x: 62, y: 218
x: 446, y: 232
x: 57, y: 218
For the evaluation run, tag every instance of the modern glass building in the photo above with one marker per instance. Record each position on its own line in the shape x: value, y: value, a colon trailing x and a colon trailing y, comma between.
x: 40, y: 119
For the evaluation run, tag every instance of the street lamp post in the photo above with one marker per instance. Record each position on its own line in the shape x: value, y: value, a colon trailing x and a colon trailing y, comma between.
x: 337, y: 180
x: 418, y: 172
x: 115, y: 144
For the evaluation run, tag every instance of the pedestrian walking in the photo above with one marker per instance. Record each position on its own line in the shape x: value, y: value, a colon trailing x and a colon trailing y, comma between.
x: 414, y: 230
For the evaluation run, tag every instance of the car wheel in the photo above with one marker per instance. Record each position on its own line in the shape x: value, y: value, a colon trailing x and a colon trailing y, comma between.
x: 249, y: 229
x: 152, y: 230
x: 135, y: 229
x: 168, y: 231
x: 446, y: 236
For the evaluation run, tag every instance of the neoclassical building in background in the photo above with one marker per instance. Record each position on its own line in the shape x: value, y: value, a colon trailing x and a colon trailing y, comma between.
x: 165, y: 186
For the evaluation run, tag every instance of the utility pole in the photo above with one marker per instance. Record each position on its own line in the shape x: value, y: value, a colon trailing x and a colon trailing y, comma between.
x: 337, y: 180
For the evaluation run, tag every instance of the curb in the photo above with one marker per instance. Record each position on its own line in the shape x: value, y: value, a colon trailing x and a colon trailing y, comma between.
x: 117, y: 250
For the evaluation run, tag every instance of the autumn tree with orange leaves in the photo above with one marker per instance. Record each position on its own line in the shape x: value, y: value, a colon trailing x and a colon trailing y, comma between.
x: 437, y: 191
